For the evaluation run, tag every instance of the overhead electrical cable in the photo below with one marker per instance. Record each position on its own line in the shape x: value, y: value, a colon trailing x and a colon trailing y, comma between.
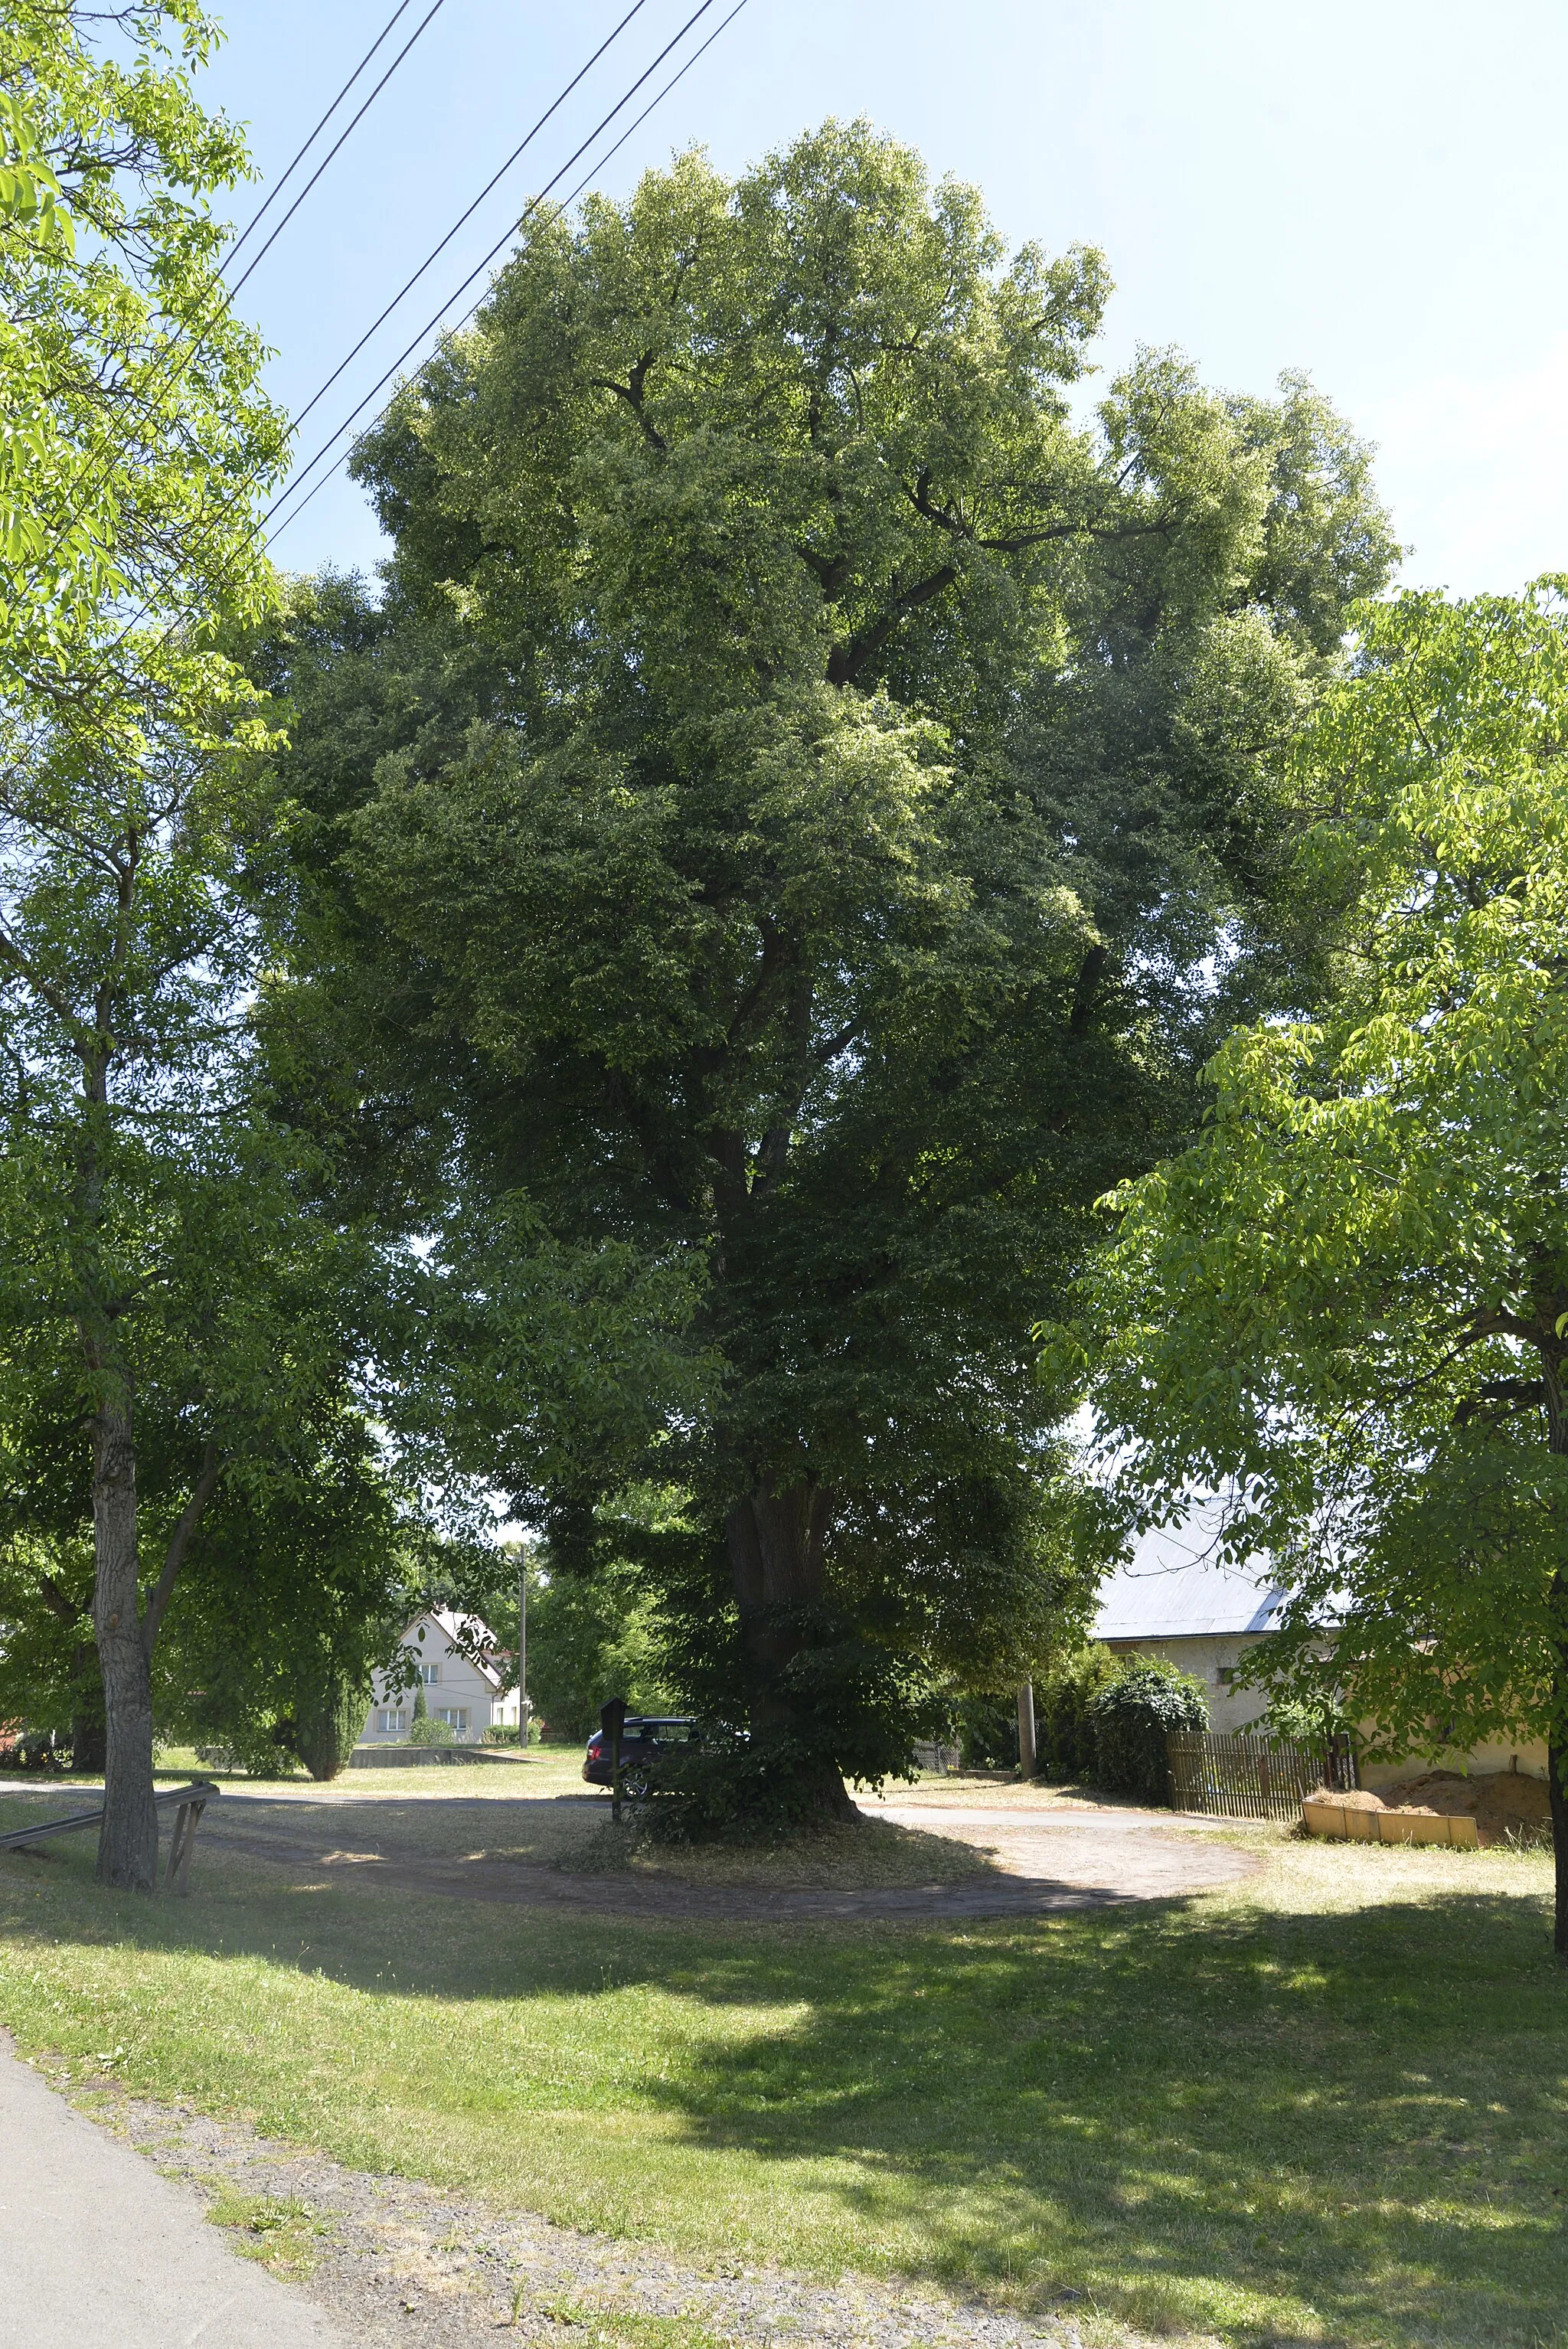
x: 254, y: 224
x: 491, y: 185
x: 604, y: 124
x: 564, y: 205
x: 189, y: 350
x: 432, y: 322
x: 347, y: 132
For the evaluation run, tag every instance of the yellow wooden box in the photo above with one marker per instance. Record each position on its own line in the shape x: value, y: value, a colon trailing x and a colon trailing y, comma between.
x: 1349, y: 1825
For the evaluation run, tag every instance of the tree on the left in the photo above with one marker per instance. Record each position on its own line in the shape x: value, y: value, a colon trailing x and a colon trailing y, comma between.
x: 163, y: 1273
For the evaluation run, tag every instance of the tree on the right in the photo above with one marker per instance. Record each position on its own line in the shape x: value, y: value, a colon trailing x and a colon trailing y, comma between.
x: 1347, y: 1304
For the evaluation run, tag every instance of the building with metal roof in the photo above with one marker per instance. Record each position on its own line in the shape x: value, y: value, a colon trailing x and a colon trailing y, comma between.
x: 1176, y: 1598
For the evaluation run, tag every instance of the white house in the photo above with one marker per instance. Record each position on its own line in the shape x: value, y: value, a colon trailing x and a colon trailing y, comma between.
x: 462, y: 1672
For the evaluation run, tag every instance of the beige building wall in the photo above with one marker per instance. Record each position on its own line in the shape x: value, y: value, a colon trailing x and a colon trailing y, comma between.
x: 1213, y: 1657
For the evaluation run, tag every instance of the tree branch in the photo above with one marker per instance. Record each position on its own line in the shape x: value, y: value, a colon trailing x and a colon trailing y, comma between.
x: 631, y: 391
x: 202, y: 1492
x: 845, y: 662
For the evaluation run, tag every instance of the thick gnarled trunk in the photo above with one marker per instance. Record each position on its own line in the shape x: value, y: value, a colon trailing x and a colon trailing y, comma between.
x: 776, y: 1539
x: 127, y: 1841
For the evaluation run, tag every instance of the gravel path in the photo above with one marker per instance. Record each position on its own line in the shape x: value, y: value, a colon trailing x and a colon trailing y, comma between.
x: 397, y: 2262
x: 1042, y: 1864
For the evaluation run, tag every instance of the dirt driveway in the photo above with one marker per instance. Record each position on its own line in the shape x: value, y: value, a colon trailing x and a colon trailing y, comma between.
x: 1081, y: 1858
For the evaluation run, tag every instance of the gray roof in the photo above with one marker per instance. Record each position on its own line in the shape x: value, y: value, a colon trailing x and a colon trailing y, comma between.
x: 1174, y: 1587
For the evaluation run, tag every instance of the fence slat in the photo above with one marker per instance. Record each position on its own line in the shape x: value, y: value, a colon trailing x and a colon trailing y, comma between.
x: 1243, y: 1777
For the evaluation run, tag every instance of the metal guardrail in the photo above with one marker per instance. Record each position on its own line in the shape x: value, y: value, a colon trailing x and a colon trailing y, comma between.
x: 191, y: 1800
x: 1241, y: 1777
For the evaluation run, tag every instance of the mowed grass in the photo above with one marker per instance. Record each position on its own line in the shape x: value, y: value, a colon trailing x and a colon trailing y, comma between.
x: 1328, y: 2104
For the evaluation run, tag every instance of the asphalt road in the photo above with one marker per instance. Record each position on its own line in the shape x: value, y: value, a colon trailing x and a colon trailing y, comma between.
x: 98, y: 2251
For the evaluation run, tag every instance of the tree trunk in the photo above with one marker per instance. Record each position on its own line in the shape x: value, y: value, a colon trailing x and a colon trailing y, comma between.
x: 89, y: 1737
x: 127, y: 1841
x: 1027, y: 1758
x: 1557, y: 1777
x: 776, y: 1559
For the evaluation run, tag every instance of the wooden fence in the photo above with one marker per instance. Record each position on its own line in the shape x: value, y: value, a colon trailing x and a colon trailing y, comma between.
x: 1253, y: 1777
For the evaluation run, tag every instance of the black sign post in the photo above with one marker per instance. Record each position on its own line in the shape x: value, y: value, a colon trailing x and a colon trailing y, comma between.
x: 611, y: 1721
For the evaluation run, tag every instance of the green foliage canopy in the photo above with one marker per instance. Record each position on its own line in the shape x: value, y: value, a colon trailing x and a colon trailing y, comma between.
x: 721, y: 839
x: 1349, y: 1302
x: 156, y: 1223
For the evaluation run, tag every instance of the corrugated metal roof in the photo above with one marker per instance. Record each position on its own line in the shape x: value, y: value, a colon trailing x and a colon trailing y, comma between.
x: 1173, y: 1587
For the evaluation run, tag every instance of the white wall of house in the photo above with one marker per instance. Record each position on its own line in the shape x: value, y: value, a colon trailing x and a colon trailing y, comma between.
x: 466, y: 1696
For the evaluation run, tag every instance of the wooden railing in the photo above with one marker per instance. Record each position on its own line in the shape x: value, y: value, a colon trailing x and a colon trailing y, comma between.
x: 188, y: 1802
x: 1253, y: 1777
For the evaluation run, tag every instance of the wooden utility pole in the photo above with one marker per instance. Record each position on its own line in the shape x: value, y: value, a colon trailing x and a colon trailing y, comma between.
x: 1026, y: 1728
x: 523, y: 1648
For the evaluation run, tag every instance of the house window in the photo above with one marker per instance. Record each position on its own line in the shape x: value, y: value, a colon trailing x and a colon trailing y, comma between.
x: 456, y: 1716
x: 1225, y: 1675
x: 391, y: 1721
x: 431, y: 1674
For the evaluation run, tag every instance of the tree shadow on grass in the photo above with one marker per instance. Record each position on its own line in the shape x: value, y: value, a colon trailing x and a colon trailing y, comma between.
x: 1350, y: 2124
x: 1347, y: 2125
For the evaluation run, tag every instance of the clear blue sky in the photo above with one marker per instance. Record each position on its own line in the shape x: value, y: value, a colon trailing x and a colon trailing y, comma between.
x: 1375, y: 191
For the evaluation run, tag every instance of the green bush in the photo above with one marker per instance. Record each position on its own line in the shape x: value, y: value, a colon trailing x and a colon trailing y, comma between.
x: 731, y: 1787
x: 1063, y: 1713
x: 987, y: 1728
x: 1132, y: 1716
x: 427, y: 1731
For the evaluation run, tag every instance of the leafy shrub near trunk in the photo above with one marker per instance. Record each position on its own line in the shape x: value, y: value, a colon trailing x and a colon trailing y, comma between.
x: 1063, y: 1713
x: 733, y: 1787
x: 1131, y: 1718
x: 1064, y: 1725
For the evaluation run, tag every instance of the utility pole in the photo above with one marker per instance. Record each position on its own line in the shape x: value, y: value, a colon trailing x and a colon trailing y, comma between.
x: 523, y: 1707
x: 1026, y: 1728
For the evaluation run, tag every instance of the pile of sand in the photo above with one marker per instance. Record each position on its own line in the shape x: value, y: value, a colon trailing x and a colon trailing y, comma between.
x: 1500, y: 1802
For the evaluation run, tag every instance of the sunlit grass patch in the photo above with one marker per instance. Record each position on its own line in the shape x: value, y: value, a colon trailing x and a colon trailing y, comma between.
x: 280, y: 2231
x: 1329, y: 2104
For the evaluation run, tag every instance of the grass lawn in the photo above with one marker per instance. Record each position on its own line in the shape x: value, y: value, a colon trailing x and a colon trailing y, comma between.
x: 1330, y: 2103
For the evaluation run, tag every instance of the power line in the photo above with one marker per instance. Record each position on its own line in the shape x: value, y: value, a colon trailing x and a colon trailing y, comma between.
x: 564, y: 205
x: 198, y: 340
x: 254, y: 224
x: 322, y: 389
x: 433, y: 12
x: 263, y: 519
x: 432, y: 322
